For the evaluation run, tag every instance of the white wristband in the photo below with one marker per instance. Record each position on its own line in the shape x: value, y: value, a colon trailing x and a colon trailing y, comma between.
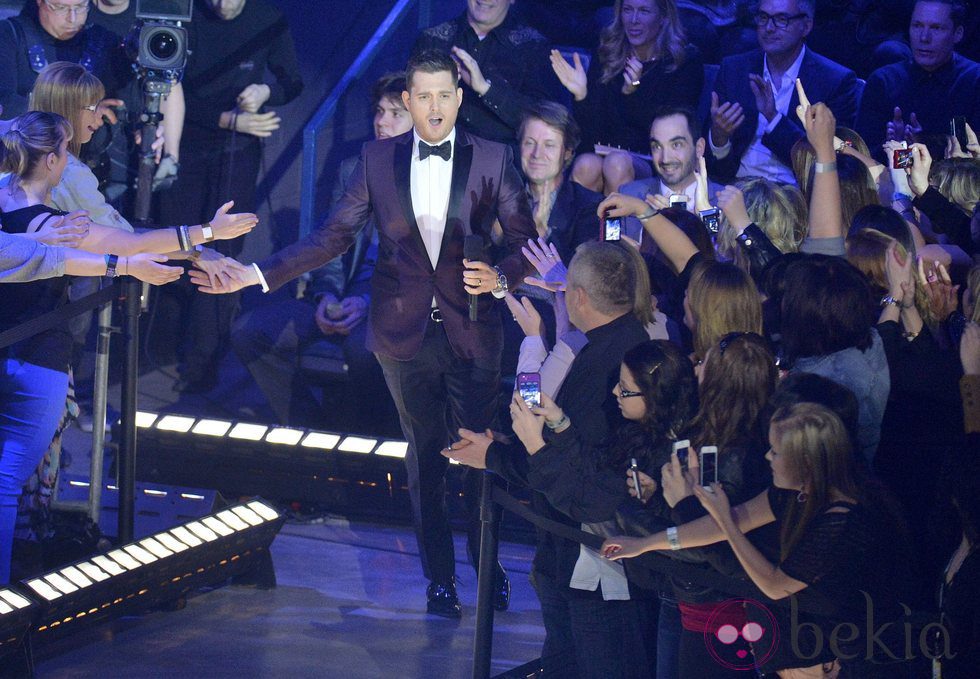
x: 672, y: 539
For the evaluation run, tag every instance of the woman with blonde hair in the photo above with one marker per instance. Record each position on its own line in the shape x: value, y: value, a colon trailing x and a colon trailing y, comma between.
x: 643, y: 62
x: 720, y: 299
x: 34, y: 149
x: 778, y: 210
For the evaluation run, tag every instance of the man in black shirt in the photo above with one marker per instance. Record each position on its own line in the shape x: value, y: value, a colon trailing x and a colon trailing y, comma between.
x: 504, y: 67
x: 600, y: 298
x: 232, y: 44
x: 915, y: 100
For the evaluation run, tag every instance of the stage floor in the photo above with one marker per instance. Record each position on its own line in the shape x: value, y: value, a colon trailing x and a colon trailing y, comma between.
x: 350, y: 603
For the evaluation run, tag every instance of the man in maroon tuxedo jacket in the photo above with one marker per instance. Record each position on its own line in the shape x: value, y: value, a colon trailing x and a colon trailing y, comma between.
x: 426, y: 190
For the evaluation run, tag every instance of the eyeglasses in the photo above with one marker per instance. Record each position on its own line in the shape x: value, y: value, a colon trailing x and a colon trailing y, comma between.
x: 761, y: 19
x: 626, y: 393
x: 65, y: 10
x: 91, y: 108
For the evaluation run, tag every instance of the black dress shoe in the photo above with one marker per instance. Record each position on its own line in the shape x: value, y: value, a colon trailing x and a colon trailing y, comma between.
x: 442, y: 600
x: 501, y: 592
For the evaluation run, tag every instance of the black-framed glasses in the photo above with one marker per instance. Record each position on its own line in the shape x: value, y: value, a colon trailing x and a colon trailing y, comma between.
x: 778, y: 20
x: 626, y: 393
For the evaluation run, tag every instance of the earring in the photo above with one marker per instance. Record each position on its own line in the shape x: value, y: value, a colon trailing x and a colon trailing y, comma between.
x: 801, y: 497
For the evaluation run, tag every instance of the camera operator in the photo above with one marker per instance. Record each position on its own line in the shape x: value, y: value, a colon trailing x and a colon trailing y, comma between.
x: 232, y: 44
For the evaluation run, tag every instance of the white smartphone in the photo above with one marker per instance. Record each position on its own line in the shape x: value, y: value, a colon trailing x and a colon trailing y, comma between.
x: 681, y: 448
x: 709, y: 466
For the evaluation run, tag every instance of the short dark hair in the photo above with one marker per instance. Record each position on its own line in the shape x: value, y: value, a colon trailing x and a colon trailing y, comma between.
x: 389, y: 86
x: 827, y: 306
x: 689, y: 115
x: 554, y: 115
x: 430, y: 61
x: 606, y: 273
x: 957, y: 10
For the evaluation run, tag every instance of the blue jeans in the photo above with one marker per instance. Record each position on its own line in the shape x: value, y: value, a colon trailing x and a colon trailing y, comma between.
x: 32, y: 401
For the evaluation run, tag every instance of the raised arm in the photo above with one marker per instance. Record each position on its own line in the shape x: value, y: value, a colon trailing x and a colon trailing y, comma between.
x: 671, y: 240
x: 826, y: 219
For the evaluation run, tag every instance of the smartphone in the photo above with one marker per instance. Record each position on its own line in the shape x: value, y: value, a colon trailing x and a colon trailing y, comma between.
x: 678, y: 200
x: 902, y: 158
x: 334, y: 311
x: 634, y: 474
x: 529, y: 387
x: 612, y: 229
x: 711, y: 219
x: 957, y: 129
x: 681, y: 448
x: 709, y: 466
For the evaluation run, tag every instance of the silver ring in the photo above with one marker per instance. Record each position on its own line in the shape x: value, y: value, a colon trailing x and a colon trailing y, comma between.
x: 635, y: 83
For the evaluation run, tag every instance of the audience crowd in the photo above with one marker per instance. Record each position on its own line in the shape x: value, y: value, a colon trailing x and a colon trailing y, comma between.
x: 755, y: 311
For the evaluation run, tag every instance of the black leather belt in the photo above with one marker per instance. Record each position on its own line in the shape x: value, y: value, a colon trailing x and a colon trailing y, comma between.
x: 436, y: 314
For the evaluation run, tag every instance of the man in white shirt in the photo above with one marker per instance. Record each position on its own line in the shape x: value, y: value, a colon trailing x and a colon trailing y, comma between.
x: 427, y: 190
x: 676, y: 149
x: 753, y: 122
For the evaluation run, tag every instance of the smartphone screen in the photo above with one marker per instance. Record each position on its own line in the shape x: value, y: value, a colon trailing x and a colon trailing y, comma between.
x: 681, y: 448
x: 679, y: 201
x: 957, y: 129
x: 709, y: 465
x: 710, y: 219
x: 612, y: 228
x: 634, y: 473
x: 529, y: 387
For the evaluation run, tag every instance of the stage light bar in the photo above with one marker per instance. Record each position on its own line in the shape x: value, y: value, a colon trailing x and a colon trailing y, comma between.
x: 16, y: 616
x: 138, y: 575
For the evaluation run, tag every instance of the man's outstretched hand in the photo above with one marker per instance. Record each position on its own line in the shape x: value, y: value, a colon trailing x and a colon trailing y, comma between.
x: 223, y: 276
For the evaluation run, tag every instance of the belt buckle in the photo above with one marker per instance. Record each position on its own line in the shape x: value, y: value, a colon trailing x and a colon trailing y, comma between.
x: 436, y: 314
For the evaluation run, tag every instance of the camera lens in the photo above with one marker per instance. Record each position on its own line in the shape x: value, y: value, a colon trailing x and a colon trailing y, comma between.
x: 163, y: 45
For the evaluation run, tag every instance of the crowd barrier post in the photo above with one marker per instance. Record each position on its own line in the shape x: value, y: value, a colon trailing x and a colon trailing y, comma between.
x: 127, y: 448
x: 489, y: 525
x: 99, y: 407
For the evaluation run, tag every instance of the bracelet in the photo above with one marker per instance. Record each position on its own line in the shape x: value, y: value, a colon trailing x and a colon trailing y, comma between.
x: 649, y: 215
x: 672, y: 539
x: 562, y: 421
x: 234, y: 121
x: 183, y: 238
x: 207, y: 231
x: 821, y: 168
x: 888, y: 300
x: 909, y: 335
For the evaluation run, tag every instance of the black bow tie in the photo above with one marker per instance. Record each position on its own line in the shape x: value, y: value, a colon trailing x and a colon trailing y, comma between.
x: 443, y: 150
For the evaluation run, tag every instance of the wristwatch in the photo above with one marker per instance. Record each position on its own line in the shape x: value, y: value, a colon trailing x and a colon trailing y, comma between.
x: 207, y: 231
x: 110, y: 265
x: 501, y: 290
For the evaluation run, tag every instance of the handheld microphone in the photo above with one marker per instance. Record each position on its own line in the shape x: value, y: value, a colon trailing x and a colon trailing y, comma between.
x: 473, y: 251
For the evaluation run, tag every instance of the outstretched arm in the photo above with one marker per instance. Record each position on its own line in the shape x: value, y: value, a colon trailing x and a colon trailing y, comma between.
x: 671, y: 240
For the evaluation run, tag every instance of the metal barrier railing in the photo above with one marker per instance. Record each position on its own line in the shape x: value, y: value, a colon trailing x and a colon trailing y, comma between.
x: 328, y: 108
x: 126, y: 291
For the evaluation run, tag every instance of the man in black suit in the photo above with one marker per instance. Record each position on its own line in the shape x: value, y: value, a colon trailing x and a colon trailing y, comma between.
x: 753, y: 124
x: 426, y: 190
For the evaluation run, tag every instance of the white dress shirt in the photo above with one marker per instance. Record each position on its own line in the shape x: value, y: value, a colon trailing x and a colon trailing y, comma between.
x: 431, y: 180
x: 758, y: 160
